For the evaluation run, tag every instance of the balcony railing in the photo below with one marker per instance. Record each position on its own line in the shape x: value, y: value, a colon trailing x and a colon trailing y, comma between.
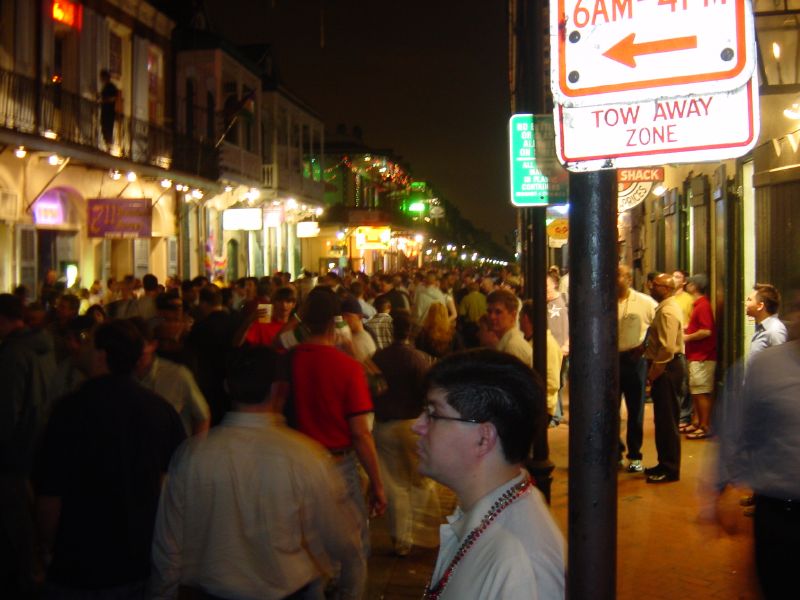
x: 67, y: 117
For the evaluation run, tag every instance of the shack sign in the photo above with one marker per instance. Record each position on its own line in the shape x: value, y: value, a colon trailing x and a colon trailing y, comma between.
x: 611, y: 51
x: 713, y: 126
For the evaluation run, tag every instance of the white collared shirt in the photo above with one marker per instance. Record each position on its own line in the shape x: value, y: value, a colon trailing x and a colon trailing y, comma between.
x: 514, y: 343
x: 254, y: 510
x: 520, y: 556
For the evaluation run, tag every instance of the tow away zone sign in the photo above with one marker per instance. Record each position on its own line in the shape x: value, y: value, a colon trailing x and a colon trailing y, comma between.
x: 712, y: 126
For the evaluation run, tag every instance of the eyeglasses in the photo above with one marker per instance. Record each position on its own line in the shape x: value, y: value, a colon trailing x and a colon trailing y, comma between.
x: 429, y: 412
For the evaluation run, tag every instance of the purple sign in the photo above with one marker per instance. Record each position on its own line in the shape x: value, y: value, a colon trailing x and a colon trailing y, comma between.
x: 120, y: 217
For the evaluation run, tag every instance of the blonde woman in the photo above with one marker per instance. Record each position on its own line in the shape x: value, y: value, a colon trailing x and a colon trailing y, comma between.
x: 438, y: 335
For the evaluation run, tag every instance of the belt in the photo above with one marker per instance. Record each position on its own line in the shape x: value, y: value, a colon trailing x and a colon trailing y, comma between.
x: 785, y: 505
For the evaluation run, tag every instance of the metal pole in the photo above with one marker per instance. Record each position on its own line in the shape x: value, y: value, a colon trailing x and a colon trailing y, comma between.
x: 594, y: 385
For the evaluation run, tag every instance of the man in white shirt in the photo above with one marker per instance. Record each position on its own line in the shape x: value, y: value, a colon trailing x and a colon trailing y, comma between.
x: 475, y: 432
x: 502, y: 308
x: 635, y: 312
x: 255, y: 509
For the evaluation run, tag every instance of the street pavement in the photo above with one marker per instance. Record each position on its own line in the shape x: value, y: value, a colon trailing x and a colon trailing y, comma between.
x: 667, y: 545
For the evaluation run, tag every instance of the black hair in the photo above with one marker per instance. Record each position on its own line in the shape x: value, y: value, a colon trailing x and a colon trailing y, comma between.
x: 401, y: 324
x: 492, y: 386
x: 122, y: 343
x: 211, y: 295
x: 250, y: 372
x: 11, y: 307
x: 150, y: 282
x: 321, y: 306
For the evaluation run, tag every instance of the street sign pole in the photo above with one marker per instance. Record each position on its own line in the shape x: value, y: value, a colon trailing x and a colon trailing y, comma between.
x: 530, y: 97
x: 593, y: 387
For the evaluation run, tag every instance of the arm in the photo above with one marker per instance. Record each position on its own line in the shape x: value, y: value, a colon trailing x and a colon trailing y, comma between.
x: 700, y: 334
x: 332, y: 517
x: 364, y: 445
x: 167, y: 542
x: 201, y: 413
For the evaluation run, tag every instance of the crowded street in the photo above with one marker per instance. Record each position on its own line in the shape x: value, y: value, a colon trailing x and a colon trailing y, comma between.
x: 444, y: 300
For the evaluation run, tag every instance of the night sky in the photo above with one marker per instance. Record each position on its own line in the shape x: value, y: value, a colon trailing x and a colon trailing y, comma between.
x: 425, y: 78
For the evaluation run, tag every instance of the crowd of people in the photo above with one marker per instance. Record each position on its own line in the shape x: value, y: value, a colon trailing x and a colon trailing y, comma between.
x: 115, y: 387
x: 196, y: 439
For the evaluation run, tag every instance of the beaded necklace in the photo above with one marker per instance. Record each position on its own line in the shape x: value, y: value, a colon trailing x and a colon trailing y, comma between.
x: 508, y: 497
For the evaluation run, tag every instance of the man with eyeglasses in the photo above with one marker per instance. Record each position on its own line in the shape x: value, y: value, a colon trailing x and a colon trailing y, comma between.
x: 665, y: 373
x: 475, y: 433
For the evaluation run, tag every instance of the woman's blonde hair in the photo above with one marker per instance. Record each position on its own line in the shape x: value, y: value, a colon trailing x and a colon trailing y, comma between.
x: 437, y: 328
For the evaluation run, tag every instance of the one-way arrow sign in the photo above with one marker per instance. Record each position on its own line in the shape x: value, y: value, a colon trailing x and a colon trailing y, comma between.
x: 607, y: 51
x: 626, y: 50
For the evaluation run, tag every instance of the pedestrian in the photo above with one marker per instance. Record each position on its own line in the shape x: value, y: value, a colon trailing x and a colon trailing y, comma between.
x: 502, y: 310
x: 762, y: 305
x: 255, y: 510
x: 635, y: 313
x: 554, y: 357
x: 665, y: 373
x: 99, y: 472
x: 475, y: 432
x: 700, y: 337
x: 407, y: 492
x: 766, y: 456
x: 330, y: 401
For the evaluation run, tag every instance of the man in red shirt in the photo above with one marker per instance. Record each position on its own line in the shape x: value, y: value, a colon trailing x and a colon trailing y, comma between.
x: 700, y: 337
x: 331, y: 401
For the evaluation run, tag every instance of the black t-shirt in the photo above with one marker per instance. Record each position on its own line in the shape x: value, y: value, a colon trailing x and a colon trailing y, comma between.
x: 104, y: 453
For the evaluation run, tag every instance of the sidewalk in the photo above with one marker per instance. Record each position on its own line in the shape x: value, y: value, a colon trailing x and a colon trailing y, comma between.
x: 665, y: 548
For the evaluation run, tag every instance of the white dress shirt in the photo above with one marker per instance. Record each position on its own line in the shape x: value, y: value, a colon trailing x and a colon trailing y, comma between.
x: 514, y: 343
x: 520, y: 556
x: 254, y: 511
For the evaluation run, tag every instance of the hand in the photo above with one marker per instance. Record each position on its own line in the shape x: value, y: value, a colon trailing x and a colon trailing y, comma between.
x: 377, y: 502
x: 655, y: 371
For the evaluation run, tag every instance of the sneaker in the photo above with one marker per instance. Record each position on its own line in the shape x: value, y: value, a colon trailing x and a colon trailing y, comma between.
x: 635, y: 466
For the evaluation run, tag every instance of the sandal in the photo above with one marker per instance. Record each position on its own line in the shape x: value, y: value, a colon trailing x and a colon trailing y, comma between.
x: 699, y: 434
x: 688, y: 428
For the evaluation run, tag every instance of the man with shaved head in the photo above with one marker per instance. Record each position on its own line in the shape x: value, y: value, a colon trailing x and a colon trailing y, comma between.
x: 665, y: 373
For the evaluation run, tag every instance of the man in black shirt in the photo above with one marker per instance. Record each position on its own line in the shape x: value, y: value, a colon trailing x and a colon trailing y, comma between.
x: 99, y: 472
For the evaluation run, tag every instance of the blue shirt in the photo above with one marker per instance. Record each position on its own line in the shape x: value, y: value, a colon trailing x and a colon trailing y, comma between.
x: 770, y: 332
x: 769, y: 451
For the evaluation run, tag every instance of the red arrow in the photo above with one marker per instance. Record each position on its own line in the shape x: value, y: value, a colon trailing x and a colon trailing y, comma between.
x: 625, y: 51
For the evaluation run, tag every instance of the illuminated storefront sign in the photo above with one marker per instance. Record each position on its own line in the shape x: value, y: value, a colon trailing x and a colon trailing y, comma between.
x: 273, y: 217
x: 120, y: 217
x: 48, y: 211
x: 68, y: 13
x: 241, y: 219
x: 373, y: 238
x: 307, y: 229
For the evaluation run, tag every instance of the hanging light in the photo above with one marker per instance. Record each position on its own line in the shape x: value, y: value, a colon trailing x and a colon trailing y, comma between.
x: 20, y: 152
x: 131, y: 176
x: 53, y: 159
x: 166, y: 183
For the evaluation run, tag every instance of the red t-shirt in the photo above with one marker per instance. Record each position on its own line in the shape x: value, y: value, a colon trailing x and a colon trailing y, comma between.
x: 702, y: 318
x: 328, y: 388
x: 262, y: 334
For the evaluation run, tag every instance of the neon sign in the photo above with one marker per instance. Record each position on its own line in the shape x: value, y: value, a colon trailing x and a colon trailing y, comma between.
x: 68, y: 13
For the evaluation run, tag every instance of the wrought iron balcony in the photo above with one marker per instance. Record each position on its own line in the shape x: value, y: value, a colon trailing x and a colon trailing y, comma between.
x: 51, y: 112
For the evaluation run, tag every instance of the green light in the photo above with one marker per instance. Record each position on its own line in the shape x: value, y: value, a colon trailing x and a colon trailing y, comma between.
x: 417, y: 207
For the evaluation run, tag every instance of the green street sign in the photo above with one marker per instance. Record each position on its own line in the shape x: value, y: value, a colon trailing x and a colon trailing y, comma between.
x: 537, y: 178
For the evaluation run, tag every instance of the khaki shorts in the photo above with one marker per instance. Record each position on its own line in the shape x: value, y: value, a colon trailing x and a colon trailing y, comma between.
x: 701, y: 376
